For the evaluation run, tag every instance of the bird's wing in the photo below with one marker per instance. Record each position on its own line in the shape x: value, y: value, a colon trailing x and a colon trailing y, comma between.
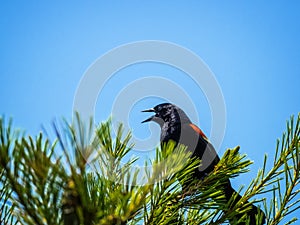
x: 197, y: 142
x: 199, y: 131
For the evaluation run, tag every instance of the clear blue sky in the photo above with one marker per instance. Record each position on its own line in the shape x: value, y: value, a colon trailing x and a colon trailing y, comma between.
x: 252, y: 47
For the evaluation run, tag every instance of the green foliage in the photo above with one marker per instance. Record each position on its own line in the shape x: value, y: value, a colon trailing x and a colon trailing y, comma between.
x: 87, y: 177
x: 6, y: 208
x: 32, y: 178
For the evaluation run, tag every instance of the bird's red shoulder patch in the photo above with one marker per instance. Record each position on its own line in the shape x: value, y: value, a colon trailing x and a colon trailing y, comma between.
x: 198, y: 130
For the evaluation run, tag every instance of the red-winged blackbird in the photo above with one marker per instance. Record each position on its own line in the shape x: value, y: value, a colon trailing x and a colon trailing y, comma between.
x: 175, y: 125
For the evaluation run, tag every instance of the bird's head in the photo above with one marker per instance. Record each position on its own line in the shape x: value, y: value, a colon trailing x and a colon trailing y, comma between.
x: 167, y: 112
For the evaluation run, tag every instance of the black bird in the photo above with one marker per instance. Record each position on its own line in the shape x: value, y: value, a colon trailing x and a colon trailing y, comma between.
x: 175, y: 125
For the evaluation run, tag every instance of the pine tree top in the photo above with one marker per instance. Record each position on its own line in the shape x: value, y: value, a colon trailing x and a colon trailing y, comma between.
x: 85, y: 176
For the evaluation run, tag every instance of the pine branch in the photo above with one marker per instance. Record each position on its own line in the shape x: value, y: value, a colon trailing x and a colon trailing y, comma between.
x: 94, y: 181
x: 6, y: 207
x: 33, y: 178
x: 103, y: 186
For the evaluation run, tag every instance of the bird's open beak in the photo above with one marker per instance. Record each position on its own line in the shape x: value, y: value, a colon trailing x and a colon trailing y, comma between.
x: 150, y: 118
x: 149, y: 110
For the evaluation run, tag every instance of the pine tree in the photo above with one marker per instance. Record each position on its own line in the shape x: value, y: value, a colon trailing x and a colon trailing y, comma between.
x: 86, y: 177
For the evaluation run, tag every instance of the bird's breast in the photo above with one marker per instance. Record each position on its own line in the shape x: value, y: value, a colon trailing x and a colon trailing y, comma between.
x: 170, y: 133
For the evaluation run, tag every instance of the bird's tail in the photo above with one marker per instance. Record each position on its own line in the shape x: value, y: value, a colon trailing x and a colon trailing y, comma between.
x: 255, y: 215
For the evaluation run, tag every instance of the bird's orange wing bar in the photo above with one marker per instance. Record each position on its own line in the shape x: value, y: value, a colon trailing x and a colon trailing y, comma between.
x: 198, y: 130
